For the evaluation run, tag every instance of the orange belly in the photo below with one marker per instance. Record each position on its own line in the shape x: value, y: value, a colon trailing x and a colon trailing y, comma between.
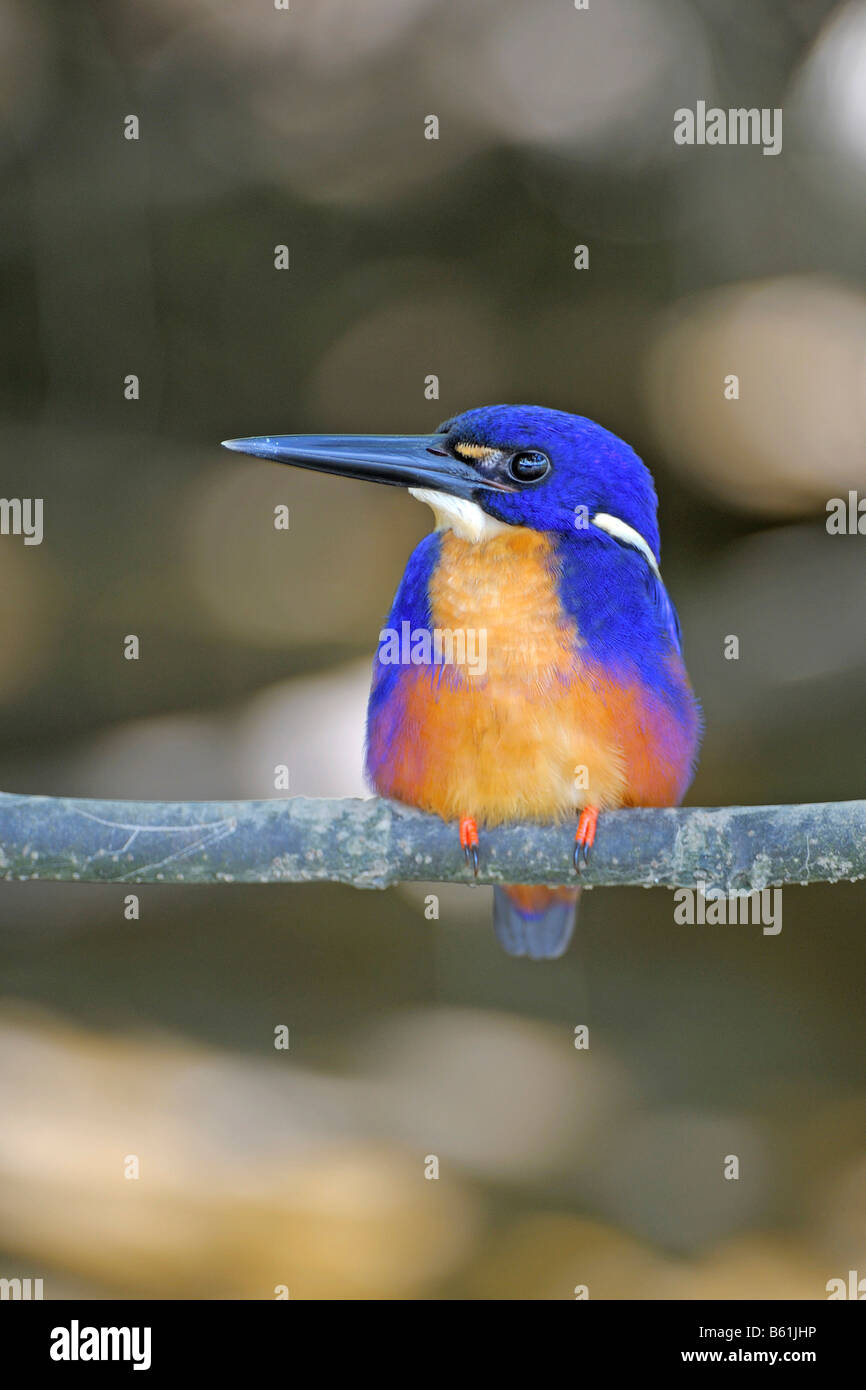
x: 544, y: 730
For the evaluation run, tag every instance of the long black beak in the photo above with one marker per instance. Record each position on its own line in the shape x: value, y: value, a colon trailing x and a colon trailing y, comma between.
x: 403, y: 460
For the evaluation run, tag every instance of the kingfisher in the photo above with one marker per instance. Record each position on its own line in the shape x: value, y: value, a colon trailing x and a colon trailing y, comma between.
x: 545, y: 556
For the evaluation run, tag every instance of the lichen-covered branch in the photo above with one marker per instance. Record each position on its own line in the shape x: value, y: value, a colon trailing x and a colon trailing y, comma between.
x: 375, y: 843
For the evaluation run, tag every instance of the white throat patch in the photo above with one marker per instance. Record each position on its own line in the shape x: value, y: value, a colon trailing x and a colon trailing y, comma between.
x: 621, y: 531
x: 466, y: 519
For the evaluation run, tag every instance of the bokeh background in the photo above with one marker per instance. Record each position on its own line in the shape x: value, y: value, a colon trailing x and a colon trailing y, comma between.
x: 411, y: 257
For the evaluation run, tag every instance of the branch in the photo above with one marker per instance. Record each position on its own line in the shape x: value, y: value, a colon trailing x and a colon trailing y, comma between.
x: 372, y: 844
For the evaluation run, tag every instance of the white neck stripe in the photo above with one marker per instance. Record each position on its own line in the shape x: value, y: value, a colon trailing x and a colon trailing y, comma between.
x: 621, y: 531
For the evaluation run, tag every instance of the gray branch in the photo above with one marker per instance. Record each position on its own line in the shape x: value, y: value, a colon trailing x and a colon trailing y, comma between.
x: 372, y: 844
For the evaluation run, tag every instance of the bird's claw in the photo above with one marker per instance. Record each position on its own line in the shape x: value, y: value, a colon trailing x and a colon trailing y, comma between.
x: 469, y: 841
x: 584, y: 837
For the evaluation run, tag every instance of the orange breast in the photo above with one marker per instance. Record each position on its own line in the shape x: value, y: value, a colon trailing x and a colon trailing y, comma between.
x: 543, y: 730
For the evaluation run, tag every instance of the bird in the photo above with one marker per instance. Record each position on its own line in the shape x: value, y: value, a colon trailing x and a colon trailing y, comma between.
x: 545, y: 556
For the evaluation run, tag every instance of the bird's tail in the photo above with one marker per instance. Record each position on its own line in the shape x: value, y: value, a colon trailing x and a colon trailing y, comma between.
x: 534, y: 922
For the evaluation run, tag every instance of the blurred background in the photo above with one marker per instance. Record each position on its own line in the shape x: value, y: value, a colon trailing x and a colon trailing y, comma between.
x: 411, y: 257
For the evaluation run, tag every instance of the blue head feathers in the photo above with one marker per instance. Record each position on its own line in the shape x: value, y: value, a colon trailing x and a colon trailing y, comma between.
x: 564, y: 470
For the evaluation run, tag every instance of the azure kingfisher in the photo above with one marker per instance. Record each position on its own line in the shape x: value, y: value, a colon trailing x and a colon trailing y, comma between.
x: 546, y: 543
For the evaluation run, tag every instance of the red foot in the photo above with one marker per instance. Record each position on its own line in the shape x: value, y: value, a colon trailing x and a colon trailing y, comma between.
x: 469, y: 841
x: 584, y: 838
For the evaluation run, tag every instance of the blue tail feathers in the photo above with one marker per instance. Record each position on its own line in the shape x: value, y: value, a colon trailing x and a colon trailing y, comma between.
x: 535, y: 922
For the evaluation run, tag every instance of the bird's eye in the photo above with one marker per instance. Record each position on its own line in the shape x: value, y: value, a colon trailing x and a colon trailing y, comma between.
x: 529, y: 466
